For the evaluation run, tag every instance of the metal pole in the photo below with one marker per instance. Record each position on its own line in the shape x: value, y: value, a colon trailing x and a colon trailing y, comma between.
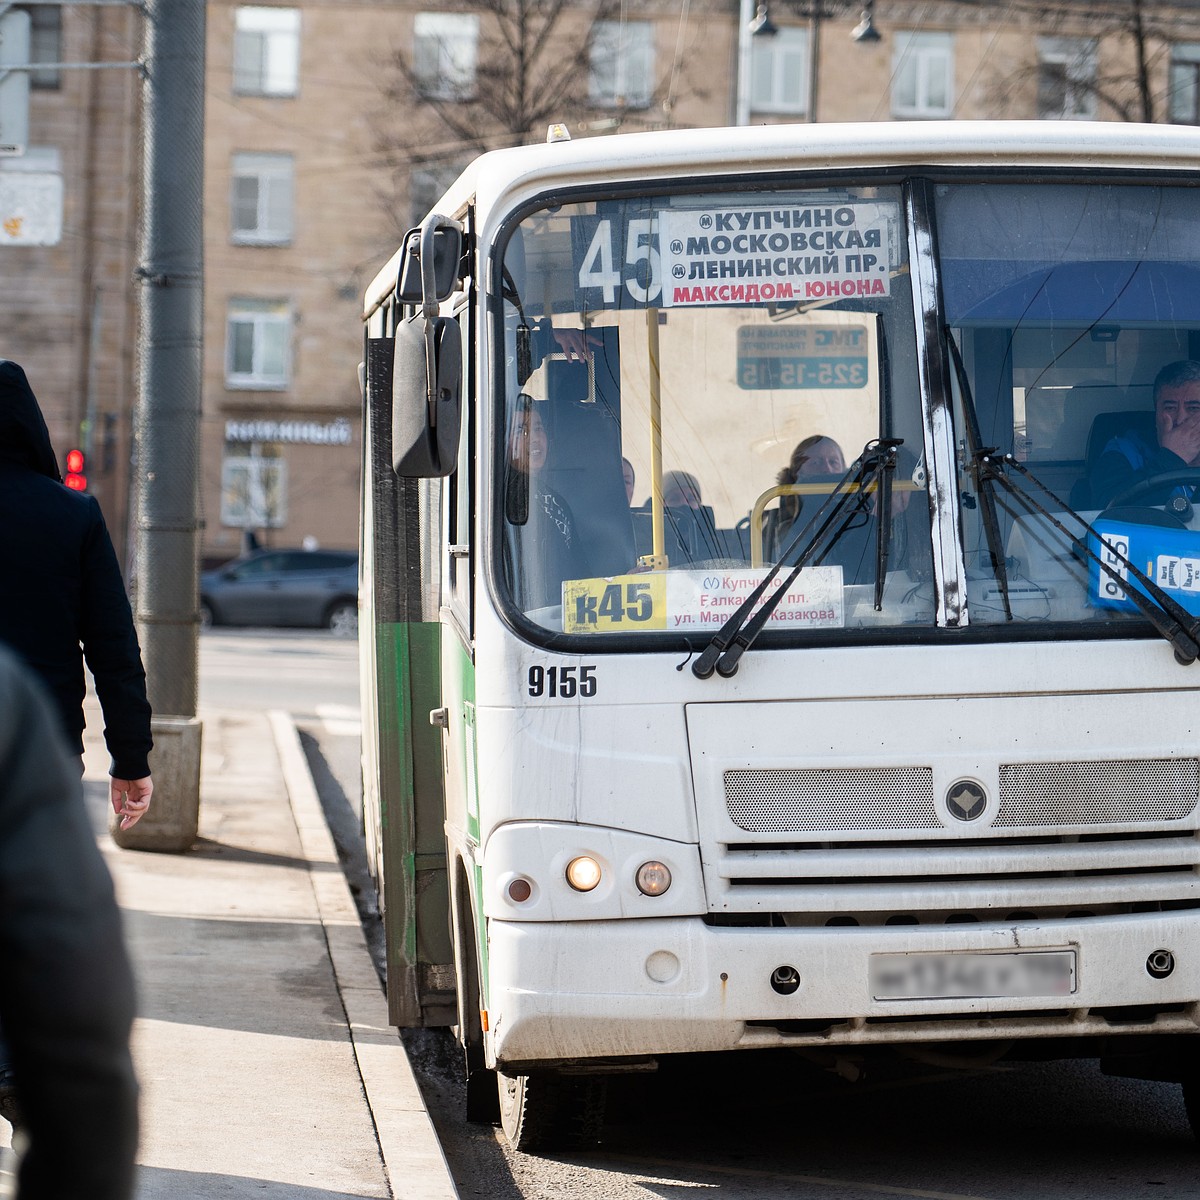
x: 169, y: 368
x: 814, y: 56
x: 744, y: 62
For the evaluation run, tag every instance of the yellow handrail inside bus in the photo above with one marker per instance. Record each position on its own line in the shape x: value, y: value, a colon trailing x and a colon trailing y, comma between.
x: 656, y: 560
x: 802, y: 489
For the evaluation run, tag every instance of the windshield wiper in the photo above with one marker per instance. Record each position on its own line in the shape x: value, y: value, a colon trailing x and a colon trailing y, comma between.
x: 883, y: 524
x: 1168, y: 616
x: 852, y: 491
x: 987, y: 467
x: 983, y: 481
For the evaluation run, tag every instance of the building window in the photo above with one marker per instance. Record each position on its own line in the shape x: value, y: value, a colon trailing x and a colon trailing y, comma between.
x: 1066, y: 78
x: 923, y: 75
x: 445, y: 46
x: 266, y: 51
x: 253, y: 488
x: 779, y: 75
x: 1185, y: 83
x: 258, y: 344
x: 261, y: 199
x: 621, y: 64
x: 427, y: 184
x: 45, y: 43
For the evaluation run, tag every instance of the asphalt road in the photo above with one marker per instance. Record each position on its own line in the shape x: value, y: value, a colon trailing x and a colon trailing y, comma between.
x: 305, y: 672
x: 766, y: 1126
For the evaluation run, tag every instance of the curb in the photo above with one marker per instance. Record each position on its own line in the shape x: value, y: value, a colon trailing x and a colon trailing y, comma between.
x: 412, y: 1155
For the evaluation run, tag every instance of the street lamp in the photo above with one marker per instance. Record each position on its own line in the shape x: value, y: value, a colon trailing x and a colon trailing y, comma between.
x: 762, y: 25
x: 865, y: 30
x: 756, y: 22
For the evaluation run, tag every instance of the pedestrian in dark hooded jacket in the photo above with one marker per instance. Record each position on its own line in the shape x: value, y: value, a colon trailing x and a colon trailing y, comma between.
x: 61, y: 590
x: 62, y: 600
x: 66, y: 987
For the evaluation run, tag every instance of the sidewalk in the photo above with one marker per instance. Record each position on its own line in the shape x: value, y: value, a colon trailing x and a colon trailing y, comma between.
x: 266, y: 1062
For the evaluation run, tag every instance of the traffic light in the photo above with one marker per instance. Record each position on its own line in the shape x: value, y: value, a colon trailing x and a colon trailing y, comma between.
x: 75, y: 479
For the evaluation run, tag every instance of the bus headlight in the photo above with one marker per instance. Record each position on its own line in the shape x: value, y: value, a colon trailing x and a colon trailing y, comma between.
x: 583, y: 873
x: 653, y: 878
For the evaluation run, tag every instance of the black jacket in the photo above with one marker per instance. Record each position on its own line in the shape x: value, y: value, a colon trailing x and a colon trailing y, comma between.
x: 1127, y: 460
x: 66, y: 988
x: 61, y: 587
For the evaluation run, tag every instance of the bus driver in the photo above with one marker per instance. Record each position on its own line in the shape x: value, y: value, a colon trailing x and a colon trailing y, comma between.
x: 1130, y: 458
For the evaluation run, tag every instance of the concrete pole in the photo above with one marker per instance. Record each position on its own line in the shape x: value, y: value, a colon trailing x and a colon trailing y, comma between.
x: 745, y: 59
x: 167, y: 418
x: 814, y: 57
x: 167, y: 415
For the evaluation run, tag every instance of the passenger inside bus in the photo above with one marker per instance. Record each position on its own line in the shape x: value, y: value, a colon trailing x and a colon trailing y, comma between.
x: 817, y: 457
x: 690, y: 534
x: 1131, y: 457
x: 539, y: 525
x: 567, y: 510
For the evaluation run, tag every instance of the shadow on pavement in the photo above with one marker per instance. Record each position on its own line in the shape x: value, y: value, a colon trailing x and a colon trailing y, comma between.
x: 155, y: 1183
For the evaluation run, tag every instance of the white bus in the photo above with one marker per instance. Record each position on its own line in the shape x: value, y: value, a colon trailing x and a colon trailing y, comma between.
x: 770, y: 638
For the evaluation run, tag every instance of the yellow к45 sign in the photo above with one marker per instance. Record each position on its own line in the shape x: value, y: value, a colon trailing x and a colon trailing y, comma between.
x: 616, y: 605
x: 697, y: 600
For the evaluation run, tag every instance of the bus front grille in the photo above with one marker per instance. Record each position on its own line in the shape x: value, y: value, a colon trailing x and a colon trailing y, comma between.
x: 1031, y: 795
x: 878, y: 844
x: 1098, y: 793
x: 834, y: 799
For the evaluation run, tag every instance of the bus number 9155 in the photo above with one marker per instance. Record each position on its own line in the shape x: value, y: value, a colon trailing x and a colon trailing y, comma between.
x: 562, y: 682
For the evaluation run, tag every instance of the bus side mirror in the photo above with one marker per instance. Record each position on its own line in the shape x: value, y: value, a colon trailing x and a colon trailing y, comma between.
x: 429, y: 265
x: 426, y: 400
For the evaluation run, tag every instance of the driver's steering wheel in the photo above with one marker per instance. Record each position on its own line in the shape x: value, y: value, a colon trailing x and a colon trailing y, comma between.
x: 1189, y: 476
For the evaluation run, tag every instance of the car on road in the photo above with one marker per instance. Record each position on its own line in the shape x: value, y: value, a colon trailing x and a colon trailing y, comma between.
x: 316, y: 588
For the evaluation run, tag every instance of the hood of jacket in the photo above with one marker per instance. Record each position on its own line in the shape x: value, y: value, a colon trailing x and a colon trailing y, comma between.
x: 24, y: 438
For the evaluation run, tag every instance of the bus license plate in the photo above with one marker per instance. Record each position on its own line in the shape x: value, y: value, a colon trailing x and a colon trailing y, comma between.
x: 965, y: 975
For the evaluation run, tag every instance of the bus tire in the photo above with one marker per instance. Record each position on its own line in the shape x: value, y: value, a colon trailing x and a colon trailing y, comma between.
x: 544, y: 1111
x: 1191, y: 1101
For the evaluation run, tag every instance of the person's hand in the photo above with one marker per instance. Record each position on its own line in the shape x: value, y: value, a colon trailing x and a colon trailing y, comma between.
x: 1183, y: 439
x: 576, y: 344
x: 131, y: 799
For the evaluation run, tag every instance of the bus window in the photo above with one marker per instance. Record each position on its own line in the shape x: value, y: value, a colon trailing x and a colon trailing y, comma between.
x: 1064, y: 302
x: 651, y: 330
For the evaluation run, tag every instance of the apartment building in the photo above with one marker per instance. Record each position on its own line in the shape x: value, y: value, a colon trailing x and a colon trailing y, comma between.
x: 68, y: 242
x: 332, y: 124
x: 293, y: 221
x: 331, y: 127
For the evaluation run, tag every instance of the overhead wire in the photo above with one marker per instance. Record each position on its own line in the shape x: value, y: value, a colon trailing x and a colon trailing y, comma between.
x: 669, y: 99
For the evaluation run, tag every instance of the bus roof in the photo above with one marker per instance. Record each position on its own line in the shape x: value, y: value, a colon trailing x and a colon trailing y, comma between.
x: 825, y: 146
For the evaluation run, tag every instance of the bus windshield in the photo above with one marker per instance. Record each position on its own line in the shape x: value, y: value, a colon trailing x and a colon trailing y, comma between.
x: 689, y: 381
x: 1066, y: 301
x: 689, y: 378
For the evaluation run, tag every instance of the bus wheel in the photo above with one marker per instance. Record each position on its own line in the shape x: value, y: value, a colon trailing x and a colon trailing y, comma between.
x: 551, y: 1112
x: 1191, y: 1101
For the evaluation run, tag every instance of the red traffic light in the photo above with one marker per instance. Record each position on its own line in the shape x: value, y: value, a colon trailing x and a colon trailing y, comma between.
x: 75, y: 479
